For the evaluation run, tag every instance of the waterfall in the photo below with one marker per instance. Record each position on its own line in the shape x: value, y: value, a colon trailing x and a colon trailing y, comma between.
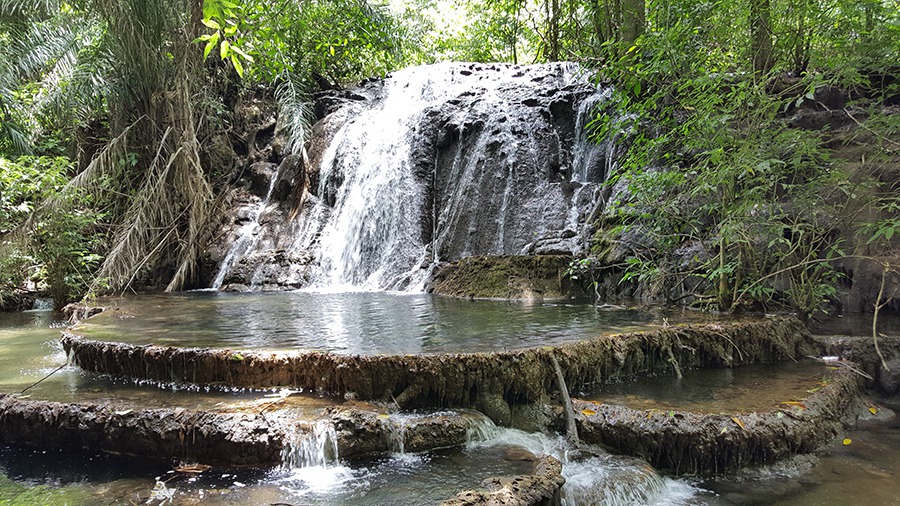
x: 311, y: 446
x: 437, y: 163
x: 246, y: 236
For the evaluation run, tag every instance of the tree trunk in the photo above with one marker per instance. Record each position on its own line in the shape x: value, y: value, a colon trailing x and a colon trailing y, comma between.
x: 633, y: 20
x: 761, y: 36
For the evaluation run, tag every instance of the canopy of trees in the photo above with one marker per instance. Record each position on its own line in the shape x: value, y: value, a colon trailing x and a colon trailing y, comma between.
x: 111, y: 112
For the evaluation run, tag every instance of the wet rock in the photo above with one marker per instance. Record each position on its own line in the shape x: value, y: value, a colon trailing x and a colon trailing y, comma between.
x: 268, y: 271
x: 509, y: 277
x: 714, y: 444
x: 498, y: 163
x: 176, y: 433
x: 543, y: 488
x: 862, y: 352
x: 450, y: 379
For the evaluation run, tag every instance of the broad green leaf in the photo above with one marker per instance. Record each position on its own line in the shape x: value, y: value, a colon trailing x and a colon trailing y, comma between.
x: 223, y: 49
x: 237, y: 65
x: 210, y: 45
x: 211, y: 23
x: 241, y: 52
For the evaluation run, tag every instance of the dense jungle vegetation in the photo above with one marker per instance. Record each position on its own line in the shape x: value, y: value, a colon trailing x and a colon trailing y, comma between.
x: 759, y: 138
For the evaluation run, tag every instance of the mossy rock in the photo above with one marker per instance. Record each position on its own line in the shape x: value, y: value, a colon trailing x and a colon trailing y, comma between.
x: 537, y: 277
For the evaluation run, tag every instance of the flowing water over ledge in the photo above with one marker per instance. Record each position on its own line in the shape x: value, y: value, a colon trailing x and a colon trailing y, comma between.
x: 863, y: 472
x: 361, y: 322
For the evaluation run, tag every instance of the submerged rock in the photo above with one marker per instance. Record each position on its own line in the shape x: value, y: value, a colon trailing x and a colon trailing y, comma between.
x: 543, y: 488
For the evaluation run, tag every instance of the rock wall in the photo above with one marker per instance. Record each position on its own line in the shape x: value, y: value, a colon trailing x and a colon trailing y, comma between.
x: 432, y: 164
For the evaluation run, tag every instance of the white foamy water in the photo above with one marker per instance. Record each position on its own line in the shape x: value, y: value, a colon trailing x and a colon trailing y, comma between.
x: 602, y: 479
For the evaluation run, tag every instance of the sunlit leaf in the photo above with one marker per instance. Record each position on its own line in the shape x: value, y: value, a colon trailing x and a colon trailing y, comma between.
x: 847, y: 441
x: 211, y: 23
x: 588, y: 412
x: 237, y: 65
x: 873, y: 410
x: 210, y: 45
x: 738, y: 421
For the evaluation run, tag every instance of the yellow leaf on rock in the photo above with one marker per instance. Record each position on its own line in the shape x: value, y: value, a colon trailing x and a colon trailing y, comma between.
x: 873, y: 410
x: 588, y: 412
x: 847, y: 441
x: 738, y: 422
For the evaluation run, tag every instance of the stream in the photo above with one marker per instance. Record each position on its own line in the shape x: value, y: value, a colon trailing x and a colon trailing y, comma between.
x: 863, y: 472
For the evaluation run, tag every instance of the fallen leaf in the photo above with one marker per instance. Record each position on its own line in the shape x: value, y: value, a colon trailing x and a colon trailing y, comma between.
x: 873, y: 410
x: 384, y: 416
x: 123, y: 412
x: 588, y: 412
x: 847, y: 441
x: 738, y: 422
x: 724, y: 430
x: 192, y: 468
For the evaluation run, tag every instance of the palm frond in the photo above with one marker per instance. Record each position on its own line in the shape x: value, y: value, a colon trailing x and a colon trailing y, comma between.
x: 294, y: 112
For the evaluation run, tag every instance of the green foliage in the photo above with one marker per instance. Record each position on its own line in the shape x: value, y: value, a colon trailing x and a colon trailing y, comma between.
x: 711, y: 166
x: 223, y: 17
x: 17, y: 494
x: 337, y: 42
x: 48, y: 231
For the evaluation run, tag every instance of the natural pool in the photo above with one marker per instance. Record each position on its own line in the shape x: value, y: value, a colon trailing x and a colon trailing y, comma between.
x: 360, y: 322
x: 864, y: 472
x: 755, y: 387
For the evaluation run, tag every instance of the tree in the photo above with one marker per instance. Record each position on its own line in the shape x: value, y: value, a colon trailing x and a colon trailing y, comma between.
x: 761, y: 36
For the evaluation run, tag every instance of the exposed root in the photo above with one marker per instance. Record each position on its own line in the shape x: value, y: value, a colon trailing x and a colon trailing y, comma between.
x: 571, y: 428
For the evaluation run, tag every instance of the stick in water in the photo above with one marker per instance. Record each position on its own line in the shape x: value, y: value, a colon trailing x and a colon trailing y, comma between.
x: 54, y: 371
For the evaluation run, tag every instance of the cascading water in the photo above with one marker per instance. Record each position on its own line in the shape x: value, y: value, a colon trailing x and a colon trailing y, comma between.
x: 316, y: 446
x: 437, y: 163
x: 247, y: 236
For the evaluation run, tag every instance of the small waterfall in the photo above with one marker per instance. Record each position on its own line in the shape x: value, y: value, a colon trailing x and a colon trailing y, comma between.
x: 246, y: 236
x: 40, y: 304
x: 588, y: 155
x: 593, y: 478
x: 394, y: 429
x: 316, y: 446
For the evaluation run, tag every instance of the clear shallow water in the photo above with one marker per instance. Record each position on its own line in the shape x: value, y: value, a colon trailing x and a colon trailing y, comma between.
x: 30, y: 351
x: 864, y: 472
x: 360, y: 322
x: 756, y: 387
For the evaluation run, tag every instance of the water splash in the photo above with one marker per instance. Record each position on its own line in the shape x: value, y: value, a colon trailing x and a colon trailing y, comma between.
x: 41, y: 304
x: 394, y: 430
x: 314, y: 445
x: 594, y: 478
